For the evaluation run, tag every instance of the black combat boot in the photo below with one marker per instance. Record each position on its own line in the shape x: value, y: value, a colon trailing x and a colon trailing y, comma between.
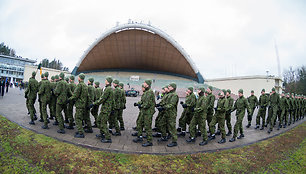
x: 162, y: 139
x: 173, y: 144
x: 79, y: 135
x: 248, y: 126
x: 223, y: 140
x: 135, y: 134
x: 32, y: 122
x: 88, y: 130
x: 191, y: 140
x: 181, y: 134
x: 147, y: 144
x: 100, y: 136
x: 218, y: 132
x: 269, y: 131
x: 41, y: 120
x: 117, y: 134
x: 69, y: 127
x: 61, y: 131
x: 229, y: 133
x: 106, y: 141
x: 285, y: 125
x: 240, y: 136
x: 55, y: 123
x: 138, y: 139
x: 257, y: 126
x: 179, y: 129
x: 232, y: 139
x: 203, y: 143
x: 45, y: 127
x: 262, y: 128
x: 157, y: 134
x: 211, y: 137
x: 134, y: 128
x: 66, y: 121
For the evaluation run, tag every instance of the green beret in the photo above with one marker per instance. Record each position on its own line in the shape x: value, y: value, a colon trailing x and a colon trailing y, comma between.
x: 56, y: 77
x: 97, y: 83
x: 71, y: 77
x: 165, y: 87
x: 240, y: 91
x: 121, y: 84
x: 273, y: 89
x: 46, y: 74
x: 33, y: 74
x: 191, y: 89
x: 229, y: 91
x: 283, y: 92
x: 62, y: 75
x: 52, y: 78
x: 42, y: 75
x: 148, y: 82
x: 224, y: 91
x: 91, y: 80
x: 67, y: 79
x: 173, y: 85
x: 263, y: 90
x: 116, y: 82
x: 82, y: 76
x: 109, y: 79
x: 202, y: 89
x: 210, y: 87
x: 252, y: 91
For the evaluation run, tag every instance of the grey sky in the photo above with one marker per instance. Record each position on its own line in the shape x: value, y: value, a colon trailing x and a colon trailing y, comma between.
x: 224, y: 38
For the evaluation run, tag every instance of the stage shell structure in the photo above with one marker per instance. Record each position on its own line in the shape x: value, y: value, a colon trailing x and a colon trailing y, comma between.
x: 136, y: 47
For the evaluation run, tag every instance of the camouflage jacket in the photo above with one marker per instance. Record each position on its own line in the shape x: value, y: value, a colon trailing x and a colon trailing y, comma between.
x: 45, y: 91
x: 98, y: 94
x: 253, y: 101
x: 171, y: 103
x: 274, y: 100
x: 61, y: 92
x: 80, y: 95
x: 230, y: 104
x: 283, y: 103
x: 190, y: 102
x: 91, y: 94
x: 31, y: 91
x: 222, y: 106
x: 240, y: 105
x: 147, y: 102
x: 263, y: 100
x: 211, y: 101
x: 201, y: 105
x: 107, y: 100
x: 123, y: 99
x: 117, y: 98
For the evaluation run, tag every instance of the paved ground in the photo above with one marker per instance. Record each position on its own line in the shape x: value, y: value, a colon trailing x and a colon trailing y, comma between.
x: 12, y: 106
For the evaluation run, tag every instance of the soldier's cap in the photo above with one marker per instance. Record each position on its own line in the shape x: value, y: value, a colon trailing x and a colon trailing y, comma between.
x: 33, y: 74
x: 224, y: 91
x: 283, y: 92
x: 142, y: 86
x: 240, y: 91
x: 252, y: 91
x: 72, y: 77
x: 191, y: 89
x: 52, y: 78
x: 263, y: 90
x: 221, y: 93
x: 109, y: 79
x: 82, y: 76
x: 173, y: 85
x: 229, y: 91
x: 62, y: 75
x: 116, y: 82
x: 97, y: 83
x: 42, y: 75
x: 206, y: 92
x: 210, y: 87
x: 273, y: 89
x: 91, y: 80
x: 56, y: 77
x: 148, y: 82
x: 121, y: 84
x: 165, y: 87
x: 67, y: 79
x: 202, y: 89
x: 46, y: 74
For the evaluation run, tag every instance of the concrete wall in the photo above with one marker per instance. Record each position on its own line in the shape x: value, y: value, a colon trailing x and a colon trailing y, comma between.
x: 28, y: 69
x: 247, y: 83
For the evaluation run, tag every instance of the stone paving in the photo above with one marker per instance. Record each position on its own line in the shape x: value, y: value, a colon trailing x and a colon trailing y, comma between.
x: 12, y: 106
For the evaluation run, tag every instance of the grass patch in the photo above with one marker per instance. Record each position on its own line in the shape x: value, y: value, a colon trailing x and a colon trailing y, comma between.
x: 23, y: 151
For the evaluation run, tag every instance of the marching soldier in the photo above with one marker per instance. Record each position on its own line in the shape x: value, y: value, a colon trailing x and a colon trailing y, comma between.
x: 274, y: 102
x: 52, y: 105
x: 210, y: 107
x: 122, y: 107
x: 95, y: 108
x: 72, y: 87
x: 117, y: 107
x: 42, y: 76
x: 45, y: 95
x: 253, y: 101
x: 90, y: 100
x: 240, y: 105
x: 284, y: 107
x: 56, y: 80
x: 160, y: 120
x: 147, y: 107
x: 31, y: 94
x: 187, y: 114
x: 263, y: 103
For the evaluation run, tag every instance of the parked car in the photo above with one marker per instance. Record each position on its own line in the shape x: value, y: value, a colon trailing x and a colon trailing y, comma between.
x: 131, y: 93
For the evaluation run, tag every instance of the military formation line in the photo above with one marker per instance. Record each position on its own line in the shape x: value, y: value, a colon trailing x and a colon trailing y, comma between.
x: 61, y: 94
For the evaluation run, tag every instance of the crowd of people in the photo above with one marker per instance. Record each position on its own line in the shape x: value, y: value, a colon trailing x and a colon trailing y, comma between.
x: 61, y: 94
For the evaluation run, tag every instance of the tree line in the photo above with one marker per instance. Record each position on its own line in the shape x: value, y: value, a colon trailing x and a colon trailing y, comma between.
x: 6, y: 50
x: 295, y: 80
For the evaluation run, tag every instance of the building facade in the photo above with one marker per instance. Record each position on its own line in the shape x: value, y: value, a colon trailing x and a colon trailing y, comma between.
x: 13, y: 68
x: 28, y: 69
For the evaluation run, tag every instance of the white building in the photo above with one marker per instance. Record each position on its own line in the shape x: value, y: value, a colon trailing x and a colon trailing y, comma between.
x: 247, y: 83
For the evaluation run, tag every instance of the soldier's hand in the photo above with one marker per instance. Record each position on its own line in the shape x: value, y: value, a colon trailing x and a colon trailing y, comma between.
x: 160, y: 108
x: 91, y: 105
x: 184, y: 105
x: 135, y: 104
x: 181, y: 102
x: 124, y: 107
x: 157, y: 105
x: 139, y: 106
x: 67, y: 101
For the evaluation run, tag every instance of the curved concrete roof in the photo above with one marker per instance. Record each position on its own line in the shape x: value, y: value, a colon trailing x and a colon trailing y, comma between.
x: 138, y: 47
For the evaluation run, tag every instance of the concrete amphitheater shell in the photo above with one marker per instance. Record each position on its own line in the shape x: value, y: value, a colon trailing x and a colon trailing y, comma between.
x: 136, y: 47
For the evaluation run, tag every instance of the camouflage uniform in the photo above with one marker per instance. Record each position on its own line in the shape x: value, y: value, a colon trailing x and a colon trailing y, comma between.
x: 42, y: 76
x: 240, y: 105
x: 61, y: 92
x: 228, y: 113
x: 122, y: 107
x: 95, y: 108
x: 31, y: 94
x: 147, y: 109
x: 263, y: 103
x: 80, y: 96
x: 210, y: 108
x: 107, y: 101
x: 188, y: 106
x: 52, y: 105
x: 253, y: 101
x: 117, y: 106
x: 72, y: 87
x: 274, y: 102
x: 45, y: 95
x: 90, y: 100
x: 66, y: 113
x: 160, y: 120
x: 284, y: 106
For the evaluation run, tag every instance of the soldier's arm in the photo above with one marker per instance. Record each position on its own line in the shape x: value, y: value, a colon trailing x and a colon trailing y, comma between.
x: 147, y: 102
x: 191, y: 101
x: 172, y: 102
x: 58, y: 89
x: 104, y: 96
x: 247, y: 106
x: 41, y: 89
x: 76, y: 93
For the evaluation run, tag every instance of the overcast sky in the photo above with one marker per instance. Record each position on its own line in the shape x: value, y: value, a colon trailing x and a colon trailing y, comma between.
x: 224, y: 37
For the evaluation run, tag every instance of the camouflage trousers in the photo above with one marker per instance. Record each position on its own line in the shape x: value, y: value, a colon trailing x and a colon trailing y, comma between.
x: 40, y: 109
x: 274, y: 115
x: 114, y: 120
x: 171, y: 125
x: 59, y: 115
x: 102, y: 120
x: 31, y: 107
x: 86, y: 119
x: 79, y: 114
x: 220, y: 119
x: 261, y: 115
x: 250, y: 115
x: 210, y: 114
x: 228, y: 118
x: 70, y: 113
x: 145, y: 122
x: 200, y: 120
x: 238, y: 125
x: 120, y: 118
x: 270, y: 115
x: 283, y: 117
x: 94, y: 113
x: 44, y: 112
x: 52, y: 107
x: 185, y: 119
x: 158, y: 120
